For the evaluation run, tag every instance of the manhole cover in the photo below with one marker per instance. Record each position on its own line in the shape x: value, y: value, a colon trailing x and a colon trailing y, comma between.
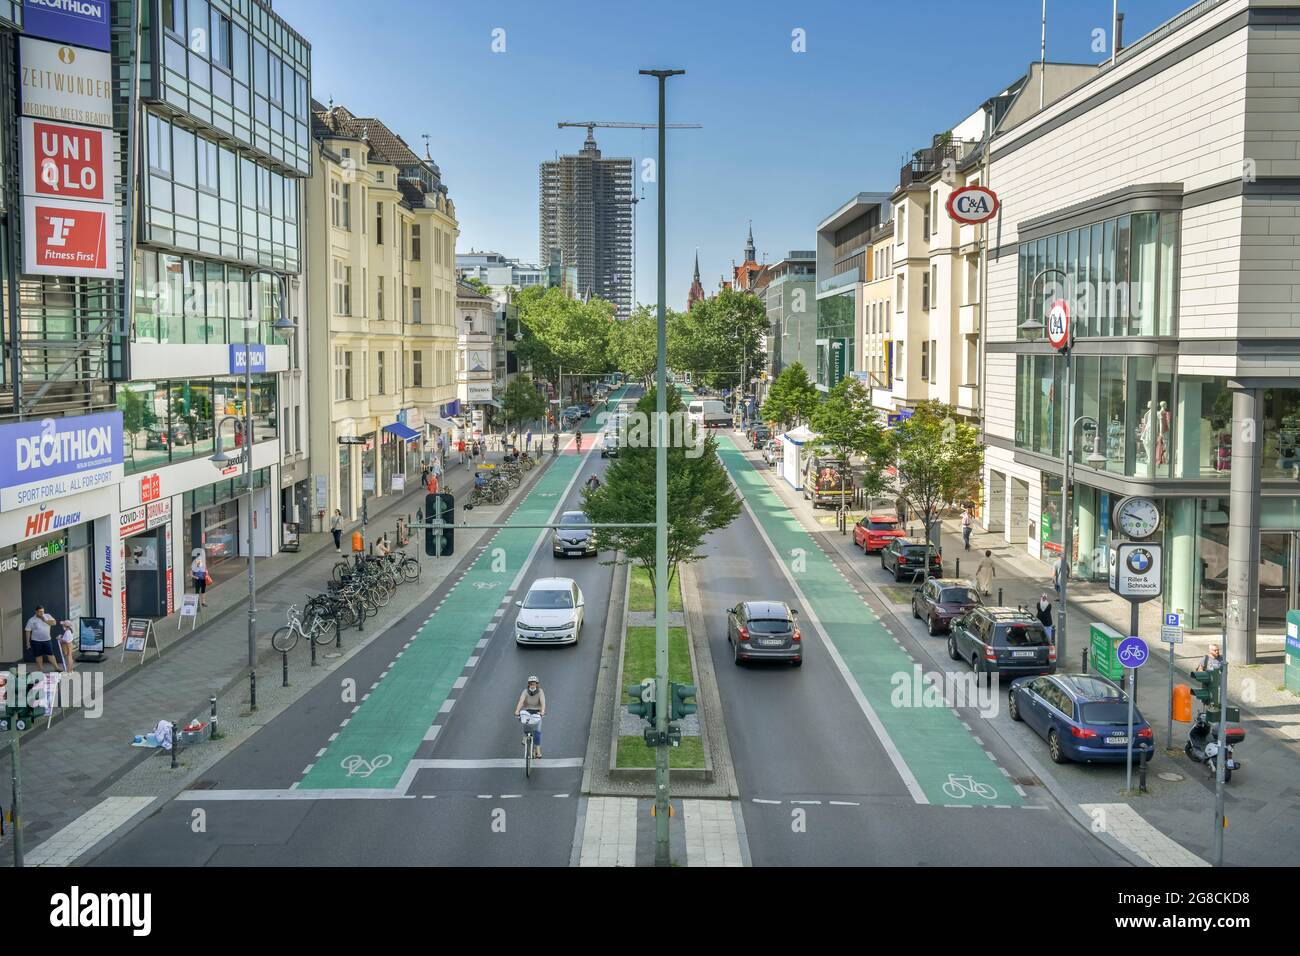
x: 1163, y: 775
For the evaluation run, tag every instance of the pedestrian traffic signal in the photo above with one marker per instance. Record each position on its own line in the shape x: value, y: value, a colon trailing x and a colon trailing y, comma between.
x: 1208, y: 690
x: 643, y: 699
x: 682, y: 694
x: 441, y: 506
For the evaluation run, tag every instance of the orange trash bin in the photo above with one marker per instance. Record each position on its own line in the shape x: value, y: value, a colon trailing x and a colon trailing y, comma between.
x: 358, y: 544
x: 1182, y: 703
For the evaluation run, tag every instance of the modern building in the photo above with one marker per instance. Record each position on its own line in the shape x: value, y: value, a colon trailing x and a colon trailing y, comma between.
x: 843, y: 267
x: 1163, y: 187
x: 586, y: 209
x: 382, y: 280
x: 789, y: 292
x: 499, y: 273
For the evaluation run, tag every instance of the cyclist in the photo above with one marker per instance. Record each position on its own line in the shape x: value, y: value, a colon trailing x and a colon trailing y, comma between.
x: 555, y: 443
x: 577, y: 439
x: 533, y: 700
x: 593, y: 483
x: 479, y: 480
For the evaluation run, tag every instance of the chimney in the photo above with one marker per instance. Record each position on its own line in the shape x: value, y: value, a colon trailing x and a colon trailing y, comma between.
x: 1119, y: 31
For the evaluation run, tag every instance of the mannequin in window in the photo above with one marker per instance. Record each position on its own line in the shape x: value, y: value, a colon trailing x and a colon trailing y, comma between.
x: 1144, y: 433
x: 1162, y: 434
x: 1115, y: 438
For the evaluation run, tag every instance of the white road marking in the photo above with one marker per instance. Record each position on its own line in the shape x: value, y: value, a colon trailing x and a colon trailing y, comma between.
x: 447, y: 705
x: 459, y: 683
x: 815, y: 803
x: 495, y: 763
x: 843, y: 803
x: 320, y: 753
x: 472, y: 662
x: 64, y: 847
x: 333, y: 737
x: 432, y: 732
x: 775, y: 803
x: 482, y: 644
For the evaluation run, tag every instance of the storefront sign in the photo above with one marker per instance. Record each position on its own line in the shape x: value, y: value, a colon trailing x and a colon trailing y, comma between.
x: 90, y: 635
x: 838, y: 350
x: 56, y: 457
x: 971, y: 205
x: 150, y: 488
x: 240, y: 354
x: 322, y: 492
x: 63, y: 161
x: 144, y: 518
x: 69, y: 21
x: 479, y: 391
x: 9, y: 564
x: 1137, y: 573
x: 399, y: 482
x: 65, y: 83
x: 48, y: 519
x: 66, y: 238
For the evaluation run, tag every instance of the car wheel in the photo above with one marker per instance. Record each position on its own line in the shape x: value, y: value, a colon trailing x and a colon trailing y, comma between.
x: 898, y: 576
x: 952, y: 649
x: 975, y: 663
x: 1013, y: 708
x: 1054, y: 749
x: 735, y: 654
x: 930, y: 626
x: 915, y: 613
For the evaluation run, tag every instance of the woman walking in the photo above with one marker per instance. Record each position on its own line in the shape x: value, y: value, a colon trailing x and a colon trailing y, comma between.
x: 199, y: 575
x: 336, y: 529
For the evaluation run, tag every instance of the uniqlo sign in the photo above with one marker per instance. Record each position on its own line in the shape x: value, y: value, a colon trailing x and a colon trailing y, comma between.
x: 66, y: 161
x: 66, y: 238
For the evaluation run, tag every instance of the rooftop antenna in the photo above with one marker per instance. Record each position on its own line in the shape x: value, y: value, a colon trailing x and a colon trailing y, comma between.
x: 425, y: 137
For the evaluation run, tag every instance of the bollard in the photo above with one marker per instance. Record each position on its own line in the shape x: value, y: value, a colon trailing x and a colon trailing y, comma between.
x: 212, y: 704
x: 284, y: 669
x: 959, y: 567
x: 176, y: 743
x: 999, y: 597
x: 1084, y: 662
x: 1142, y: 770
x: 252, y: 690
x: 311, y: 640
x: 338, y: 634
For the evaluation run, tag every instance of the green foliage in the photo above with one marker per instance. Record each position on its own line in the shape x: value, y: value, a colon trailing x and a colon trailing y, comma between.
x: 479, y: 286
x: 701, y: 498
x: 717, y: 336
x: 521, y: 402
x: 562, y: 333
x: 848, y: 425
x: 633, y: 345
x: 939, y: 458
x: 792, y: 397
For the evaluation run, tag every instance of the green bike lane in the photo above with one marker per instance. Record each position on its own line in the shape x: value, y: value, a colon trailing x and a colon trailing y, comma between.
x: 392, y: 720
x: 928, y: 745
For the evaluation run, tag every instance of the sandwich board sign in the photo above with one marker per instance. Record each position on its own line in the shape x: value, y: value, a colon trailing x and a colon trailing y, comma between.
x: 139, y: 632
x: 189, y: 609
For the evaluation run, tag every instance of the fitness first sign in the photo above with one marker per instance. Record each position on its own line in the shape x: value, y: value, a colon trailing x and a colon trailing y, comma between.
x: 56, y: 457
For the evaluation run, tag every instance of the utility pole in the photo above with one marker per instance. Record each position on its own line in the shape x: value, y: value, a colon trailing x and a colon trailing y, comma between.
x: 662, y: 690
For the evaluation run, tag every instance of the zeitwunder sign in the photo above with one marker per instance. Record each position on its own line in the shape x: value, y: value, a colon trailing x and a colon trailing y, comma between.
x: 65, y: 83
x: 57, y: 457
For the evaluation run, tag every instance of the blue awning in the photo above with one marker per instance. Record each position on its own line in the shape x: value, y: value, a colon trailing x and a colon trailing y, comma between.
x: 404, y: 432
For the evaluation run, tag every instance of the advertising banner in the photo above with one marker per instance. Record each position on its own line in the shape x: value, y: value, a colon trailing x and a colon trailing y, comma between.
x: 66, y: 161
x: 56, y: 457
x: 84, y: 22
x: 241, y: 354
x: 66, y: 238
x: 65, y: 84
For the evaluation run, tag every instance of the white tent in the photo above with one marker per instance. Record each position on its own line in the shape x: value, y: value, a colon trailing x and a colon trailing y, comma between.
x: 793, y: 454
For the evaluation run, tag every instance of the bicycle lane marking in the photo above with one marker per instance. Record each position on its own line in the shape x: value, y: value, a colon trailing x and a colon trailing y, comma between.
x: 926, y: 744
x: 393, y: 720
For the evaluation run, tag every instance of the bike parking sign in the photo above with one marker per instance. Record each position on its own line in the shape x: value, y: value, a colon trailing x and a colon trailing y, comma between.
x: 1132, y: 652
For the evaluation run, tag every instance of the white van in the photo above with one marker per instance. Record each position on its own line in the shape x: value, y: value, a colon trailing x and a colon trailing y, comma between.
x: 707, y: 413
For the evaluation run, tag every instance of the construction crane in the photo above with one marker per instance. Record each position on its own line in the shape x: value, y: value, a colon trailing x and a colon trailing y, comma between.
x: 592, y: 124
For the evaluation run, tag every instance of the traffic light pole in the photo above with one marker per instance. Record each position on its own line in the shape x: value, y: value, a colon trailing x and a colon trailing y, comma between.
x: 1222, y: 763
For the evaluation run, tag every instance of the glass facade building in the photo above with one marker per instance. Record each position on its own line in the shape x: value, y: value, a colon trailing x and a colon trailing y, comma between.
x: 836, y: 319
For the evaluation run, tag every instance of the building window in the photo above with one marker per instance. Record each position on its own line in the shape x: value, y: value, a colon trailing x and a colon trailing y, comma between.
x: 379, y: 309
x: 925, y: 361
x: 417, y: 306
x: 415, y: 242
x: 379, y: 371
x: 925, y: 291
x: 347, y: 207
x: 417, y: 369
x: 925, y: 220
x: 900, y: 365
x: 900, y: 231
x: 934, y: 285
x: 379, y: 219
x: 336, y: 216
x: 342, y: 288
x: 898, y: 297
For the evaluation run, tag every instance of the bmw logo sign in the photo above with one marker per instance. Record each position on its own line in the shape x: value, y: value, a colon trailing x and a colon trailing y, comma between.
x: 1139, y: 560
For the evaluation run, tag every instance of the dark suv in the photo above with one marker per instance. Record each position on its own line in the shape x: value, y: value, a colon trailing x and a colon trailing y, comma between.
x: 1002, y: 640
x: 905, y: 557
x: 939, y: 601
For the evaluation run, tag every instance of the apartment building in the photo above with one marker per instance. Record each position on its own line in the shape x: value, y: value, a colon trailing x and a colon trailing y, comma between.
x: 1163, y: 187
x: 789, y: 292
x: 480, y: 355
x: 843, y: 269
x: 875, y: 365
x: 382, y: 280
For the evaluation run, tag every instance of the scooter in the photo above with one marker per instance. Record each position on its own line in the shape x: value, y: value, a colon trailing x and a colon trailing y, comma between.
x: 1203, y: 746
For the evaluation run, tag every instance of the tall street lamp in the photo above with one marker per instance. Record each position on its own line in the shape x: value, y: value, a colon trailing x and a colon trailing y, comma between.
x: 285, y: 326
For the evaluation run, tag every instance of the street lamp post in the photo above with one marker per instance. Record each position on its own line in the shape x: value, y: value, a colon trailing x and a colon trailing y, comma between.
x: 663, y: 695
x: 220, y: 459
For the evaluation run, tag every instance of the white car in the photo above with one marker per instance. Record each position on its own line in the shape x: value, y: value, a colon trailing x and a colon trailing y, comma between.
x: 551, y: 613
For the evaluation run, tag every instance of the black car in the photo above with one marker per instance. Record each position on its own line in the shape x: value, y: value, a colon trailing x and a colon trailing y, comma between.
x: 576, y: 542
x: 759, y: 435
x: 941, y: 600
x: 1002, y: 640
x: 905, y: 557
x: 764, y: 631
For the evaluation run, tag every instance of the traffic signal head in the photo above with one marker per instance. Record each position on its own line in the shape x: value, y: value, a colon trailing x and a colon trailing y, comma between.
x: 643, y: 699
x: 441, y: 506
x: 1207, y: 691
x: 682, y: 693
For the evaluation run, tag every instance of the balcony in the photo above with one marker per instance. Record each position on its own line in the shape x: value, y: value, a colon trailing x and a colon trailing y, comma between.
x: 968, y: 397
x: 843, y: 279
x: 968, y: 319
x: 927, y: 162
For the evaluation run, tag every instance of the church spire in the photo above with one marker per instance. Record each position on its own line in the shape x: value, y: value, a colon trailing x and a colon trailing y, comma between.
x: 750, y: 254
x: 697, y: 288
x: 697, y: 265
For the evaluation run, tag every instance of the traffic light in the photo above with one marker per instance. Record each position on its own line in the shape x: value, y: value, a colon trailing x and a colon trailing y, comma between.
x: 681, y: 696
x: 440, y: 506
x: 1209, y: 693
x: 643, y: 699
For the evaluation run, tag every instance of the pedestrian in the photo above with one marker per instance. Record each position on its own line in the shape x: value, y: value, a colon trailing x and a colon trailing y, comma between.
x: 1213, y: 660
x: 985, y: 574
x: 900, y: 509
x: 336, y: 529
x: 528, y: 440
x: 66, y: 641
x: 967, y: 526
x: 381, y: 547
x: 1060, y: 573
x: 424, y: 475
x: 437, y: 468
x: 1044, y: 613
x: 199, y: 574
x: 432, y: 484
x: 36, y: 634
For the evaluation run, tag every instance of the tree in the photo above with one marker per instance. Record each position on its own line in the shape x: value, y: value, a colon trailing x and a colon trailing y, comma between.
x: 718, y: 336
x: 634, y: 344
x: 939, y: 460
x: 562, y: 334
x: 792, y: 397
x: 521, y: 403
x: 847, y: 424
x: 701, y: 498
x: 479, y: 286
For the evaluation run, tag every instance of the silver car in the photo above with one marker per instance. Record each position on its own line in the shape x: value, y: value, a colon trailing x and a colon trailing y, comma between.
x: 571, y: 541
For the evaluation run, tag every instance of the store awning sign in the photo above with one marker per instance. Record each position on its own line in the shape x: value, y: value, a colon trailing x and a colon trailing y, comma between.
x: 55, y: 457
x: 241, y: 355
x: 84, y: 22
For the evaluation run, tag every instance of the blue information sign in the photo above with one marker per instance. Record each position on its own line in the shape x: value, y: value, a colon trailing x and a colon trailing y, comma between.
x: 1132, y: 652
x: 83, y: 22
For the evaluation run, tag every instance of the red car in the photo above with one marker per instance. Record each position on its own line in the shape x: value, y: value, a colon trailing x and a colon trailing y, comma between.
x: 874, y: 532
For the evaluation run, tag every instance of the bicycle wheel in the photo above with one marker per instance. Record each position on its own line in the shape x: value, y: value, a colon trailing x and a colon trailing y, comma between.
x: 285, y: 639
x: 323, y: 633
x: 528, y: 754
x: 954, y: 790
x: 381, y: 595
x: 411, y: 569
x: 341, y: 568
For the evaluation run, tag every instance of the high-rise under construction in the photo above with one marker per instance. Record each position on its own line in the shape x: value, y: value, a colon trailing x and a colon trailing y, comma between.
x: 585, y: 209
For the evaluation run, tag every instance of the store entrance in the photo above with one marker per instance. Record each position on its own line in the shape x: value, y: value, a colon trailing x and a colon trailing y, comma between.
x: 1279, y: 559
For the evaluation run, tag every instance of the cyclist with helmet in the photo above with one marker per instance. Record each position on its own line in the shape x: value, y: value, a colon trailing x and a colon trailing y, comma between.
x: 533, y: 700
x: 555, y: 443
x: 593, y: 482
x: 577, y: 439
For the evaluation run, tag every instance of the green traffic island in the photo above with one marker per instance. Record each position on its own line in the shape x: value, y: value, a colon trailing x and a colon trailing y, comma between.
x: 632, y: 758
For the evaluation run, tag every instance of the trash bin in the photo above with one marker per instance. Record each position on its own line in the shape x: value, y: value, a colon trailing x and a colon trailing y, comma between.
x: 1103, y: 642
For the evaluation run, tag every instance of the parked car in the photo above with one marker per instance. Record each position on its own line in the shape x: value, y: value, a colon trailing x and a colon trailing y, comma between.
x: 905, y: 557
x: 551, y: 613
x: 764, y: 631
x: 609, y: 445
x: 873, y: 532
x: 759, y: 434
x: 574, y: 542
x: 1002, y: 640
x: 1081, y: 716
x: 940, y: 601
x: 772, y: 451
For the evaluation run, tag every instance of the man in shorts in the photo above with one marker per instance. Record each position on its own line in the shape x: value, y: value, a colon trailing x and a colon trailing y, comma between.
x: 37, y: 634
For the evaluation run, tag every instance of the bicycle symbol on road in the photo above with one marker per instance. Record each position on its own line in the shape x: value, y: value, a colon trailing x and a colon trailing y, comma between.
x: 486, y: 585
x: 958, y: 788
x: 358, y: 766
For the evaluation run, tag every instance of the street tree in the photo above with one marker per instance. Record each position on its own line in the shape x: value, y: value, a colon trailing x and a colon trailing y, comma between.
x: 719, y: 337
x: 792, y: 397
x: 939, y: 460
x: 561, y: 334
x: 521, y: 403
x: 701, y: 498
x: 847, y: 425
x: 633, y: 345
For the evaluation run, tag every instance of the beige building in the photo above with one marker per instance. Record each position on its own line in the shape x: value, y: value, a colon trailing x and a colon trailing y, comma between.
x: 382, y: 280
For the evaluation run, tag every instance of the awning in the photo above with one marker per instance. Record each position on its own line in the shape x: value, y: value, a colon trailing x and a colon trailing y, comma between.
x: 404, y: 432
x: 441, y: 423
x: 800, y: 436
x: 490, y: 401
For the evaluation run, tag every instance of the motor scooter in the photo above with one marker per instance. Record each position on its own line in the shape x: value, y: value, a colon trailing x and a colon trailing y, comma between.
x: 1203, y: 746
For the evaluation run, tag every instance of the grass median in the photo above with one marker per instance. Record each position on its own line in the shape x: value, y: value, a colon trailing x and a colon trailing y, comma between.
x: 640, y: 596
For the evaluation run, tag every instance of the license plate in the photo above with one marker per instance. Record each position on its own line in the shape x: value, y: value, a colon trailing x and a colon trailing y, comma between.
x: 1117, y: 740
x: 771, y: 643
x: 576, y: 550
x: 1023, y: 653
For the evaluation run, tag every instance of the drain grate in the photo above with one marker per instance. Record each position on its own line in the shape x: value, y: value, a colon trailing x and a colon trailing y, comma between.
x: 204, y: 785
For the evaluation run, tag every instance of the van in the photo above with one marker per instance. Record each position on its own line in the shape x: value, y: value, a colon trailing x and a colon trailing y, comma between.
x: 707, y: 413
x: 823, y: 484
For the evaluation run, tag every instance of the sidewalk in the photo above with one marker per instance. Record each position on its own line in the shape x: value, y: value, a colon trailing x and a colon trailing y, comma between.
x: 68, y: 768
x: 1263, y: 801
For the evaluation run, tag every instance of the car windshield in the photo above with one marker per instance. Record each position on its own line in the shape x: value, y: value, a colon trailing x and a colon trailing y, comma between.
x: 769, y: 626
x: 958, y: 596
x: 574, y: 517
x: 1023, y: 635
x: 548, y: 600
x: 878, y: 525
x: 916, y: 550
x: 1107, y: 712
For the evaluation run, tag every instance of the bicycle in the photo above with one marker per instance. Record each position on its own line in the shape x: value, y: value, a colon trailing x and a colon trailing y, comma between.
x: 530, y: 719
x: 286, y: 638
x: 959, y: 787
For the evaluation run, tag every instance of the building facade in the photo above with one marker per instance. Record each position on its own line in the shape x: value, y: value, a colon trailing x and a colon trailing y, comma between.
x: 843, y: 268
x: 789, y: 292
x: 1180, y: 265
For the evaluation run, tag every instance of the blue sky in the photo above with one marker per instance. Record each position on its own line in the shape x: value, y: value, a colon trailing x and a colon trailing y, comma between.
x: 787, y: 136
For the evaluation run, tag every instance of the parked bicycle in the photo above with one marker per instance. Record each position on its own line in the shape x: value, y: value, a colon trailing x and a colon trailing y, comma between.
x: 314, y: 629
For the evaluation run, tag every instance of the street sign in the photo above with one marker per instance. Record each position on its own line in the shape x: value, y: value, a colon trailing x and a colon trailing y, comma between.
x: 1137, y: 571
x: 1171, y: 635
x: 351, y: 440
x: 972, y: 205
x: 1058, y: 324
x: 1132, y: 652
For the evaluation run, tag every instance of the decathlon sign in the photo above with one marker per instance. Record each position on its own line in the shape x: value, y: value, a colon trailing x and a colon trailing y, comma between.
x: 57, y: 457
x: 84, y: 22
x: 972, y: 205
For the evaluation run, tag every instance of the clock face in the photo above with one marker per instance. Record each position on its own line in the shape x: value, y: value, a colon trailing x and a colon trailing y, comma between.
x: 1139, y: 517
